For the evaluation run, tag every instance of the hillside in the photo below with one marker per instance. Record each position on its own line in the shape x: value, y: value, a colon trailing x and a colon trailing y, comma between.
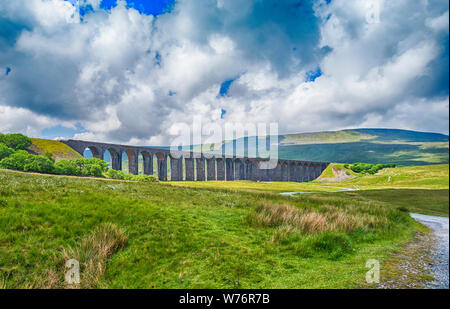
x: 359, y: 145
x: 56, y: 148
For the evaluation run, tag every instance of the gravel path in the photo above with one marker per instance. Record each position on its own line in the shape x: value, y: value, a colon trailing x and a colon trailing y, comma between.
x: 440, y: 226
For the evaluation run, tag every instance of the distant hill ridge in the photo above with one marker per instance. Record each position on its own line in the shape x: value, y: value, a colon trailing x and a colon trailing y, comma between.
x: 369, y: 145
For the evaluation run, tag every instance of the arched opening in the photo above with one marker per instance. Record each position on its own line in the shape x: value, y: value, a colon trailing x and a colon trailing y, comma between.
x: 284, y: 171
x: 220, y: 169
x: 195, y: 169
x: 155, y: 165
x: 183, y: 168
x: 145, y: 163
x: 115, y: 158
x: 130, y: 162
x: 309, y: 171
x: 92, y: 152
x: 255, y: 168
x: 124, y: 165
x: 161, y: 164
x: 239, y: 169
x: 140, y: 164
x: 300, y: 172
x: 189, y: 168
x: 107, y: 158
x: 248, y: 170
x: 169, y: 167
x: 278, y: 175
x: 292, y: 174
x: 210, y: 169
x: 200, y: 171
x: 229, y: 169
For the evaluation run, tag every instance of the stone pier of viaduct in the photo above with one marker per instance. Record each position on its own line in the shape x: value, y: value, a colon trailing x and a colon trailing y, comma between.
x: 193, y: 166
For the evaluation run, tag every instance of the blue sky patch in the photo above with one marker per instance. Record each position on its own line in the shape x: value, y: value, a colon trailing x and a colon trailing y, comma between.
x: 222, y: 113
x: 86, y: 9
x: 148, y: 7
x: 225, y: 86
x: 313, y: 74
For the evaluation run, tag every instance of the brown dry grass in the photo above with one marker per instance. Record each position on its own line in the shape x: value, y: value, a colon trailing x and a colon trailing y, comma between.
x: 288, y: 219
x: 92, y: 254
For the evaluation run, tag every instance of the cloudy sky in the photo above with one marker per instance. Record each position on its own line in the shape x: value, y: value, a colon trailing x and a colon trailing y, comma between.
x: 132, y: 71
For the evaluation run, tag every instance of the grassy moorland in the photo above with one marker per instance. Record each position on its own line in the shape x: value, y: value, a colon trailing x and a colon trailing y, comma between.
x: 422, y: 189
x: 144, y: 235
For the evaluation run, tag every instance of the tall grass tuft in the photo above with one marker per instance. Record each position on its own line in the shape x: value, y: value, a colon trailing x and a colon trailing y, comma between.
x: 92, y: 254
x: 95, y: 250
x: 289, y: 219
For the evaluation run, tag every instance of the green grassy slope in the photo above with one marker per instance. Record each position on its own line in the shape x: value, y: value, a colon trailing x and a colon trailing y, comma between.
x: 192, y: 237
x: 406, y: 177
x: 57, y: 149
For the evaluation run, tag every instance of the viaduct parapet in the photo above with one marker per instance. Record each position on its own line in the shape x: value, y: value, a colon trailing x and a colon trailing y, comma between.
x: 194, y: 166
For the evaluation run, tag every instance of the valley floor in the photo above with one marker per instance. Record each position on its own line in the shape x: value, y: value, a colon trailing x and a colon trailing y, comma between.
x: 201, y: 235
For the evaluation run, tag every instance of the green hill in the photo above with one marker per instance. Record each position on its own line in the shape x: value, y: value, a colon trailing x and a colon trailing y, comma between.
x: 359, y: 145
x: 57, y: 149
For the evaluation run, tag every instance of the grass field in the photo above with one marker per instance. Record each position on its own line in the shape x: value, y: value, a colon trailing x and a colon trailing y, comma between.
x: 422, y: 189
x: 408, y: 177
x: 137, y: 235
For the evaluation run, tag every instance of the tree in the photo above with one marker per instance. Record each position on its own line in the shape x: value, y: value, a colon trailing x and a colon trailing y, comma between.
x: 40, y: 164
x: 17, y: 160
x: 5, y: 151
x: 16, y: 141
x: 67, y: 167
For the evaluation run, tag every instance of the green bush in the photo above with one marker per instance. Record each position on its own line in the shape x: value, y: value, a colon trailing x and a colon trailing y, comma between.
x: 92, y: 170
x: 367, y: 168
x: 40, y: 164
x: 5, y: 151
x: 121, y: 175
x: 50, y: 156
x: 17, y: 160
x: 67, y: 167
x: 16, y: 141
x: 115, y: 174
x: 91, y: 167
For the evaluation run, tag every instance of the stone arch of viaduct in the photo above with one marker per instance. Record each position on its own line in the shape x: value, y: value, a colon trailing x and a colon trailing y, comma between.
x: 193, y: 166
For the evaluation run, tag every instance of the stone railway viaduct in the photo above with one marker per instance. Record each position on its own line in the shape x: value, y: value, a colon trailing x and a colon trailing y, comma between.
x: 201, y: 167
